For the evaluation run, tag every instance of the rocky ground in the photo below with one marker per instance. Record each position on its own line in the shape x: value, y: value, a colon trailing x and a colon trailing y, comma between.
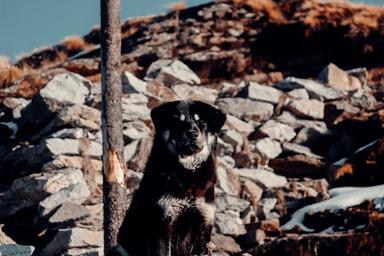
x: 300, y: 130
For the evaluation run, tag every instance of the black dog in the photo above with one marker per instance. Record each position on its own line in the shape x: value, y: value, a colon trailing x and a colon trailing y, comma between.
x: 173, y: 210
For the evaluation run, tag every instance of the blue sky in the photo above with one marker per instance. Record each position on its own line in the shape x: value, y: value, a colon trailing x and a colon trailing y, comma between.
x: 29, y: 24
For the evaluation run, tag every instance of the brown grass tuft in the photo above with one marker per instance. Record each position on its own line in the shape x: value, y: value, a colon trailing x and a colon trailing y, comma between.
x: 74, y: 43
x: 9, y: 75
x: 178, y: 6
x: 269, y: 7
x: 29, y: 86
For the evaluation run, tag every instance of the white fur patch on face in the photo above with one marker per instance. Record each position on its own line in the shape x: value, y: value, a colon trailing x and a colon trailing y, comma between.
x: 196, y: 117
x: 172, y: 207
x: 194, y: 161
x: 206, y: 210
x: 182, y: 117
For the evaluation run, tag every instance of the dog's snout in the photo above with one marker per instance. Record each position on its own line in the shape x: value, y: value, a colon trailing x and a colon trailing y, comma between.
x: 193, y: 134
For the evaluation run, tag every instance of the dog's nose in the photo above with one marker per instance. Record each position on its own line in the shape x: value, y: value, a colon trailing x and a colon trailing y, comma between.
x: 193, y: 134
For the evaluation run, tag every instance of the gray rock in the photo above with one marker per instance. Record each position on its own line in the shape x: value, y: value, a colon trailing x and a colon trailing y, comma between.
x: 25, y: 160
x: 291, y: 120
x: 132, y: 84
x: 224, y: 148
x: 278, y: 131
x: 63, y: 90
x: 84, y: 252
x: 75, y: 193
x: 187, y: 92
x: 266, y: 206
x: 135, y: 130
x: 171, y: 72
x: 246, y: 109
x: 225, y: 243
x: 16, y: 104
x: 364, y: 99
x: 67, y: 89
x: 361, y: 74
x: 310, y: 136
x: 77, y: 162
x: 307, y: 108
x: 69, y: 133
x: 264, y: 93
x: 315, y: 89
x: 268, y: 148
x: 132, y: 112
x: 220, y: 254
x: 130, y: 150
x: 55, y: 147
x: 299, y: 93
x: 31, y: 190
x: 239, y: 125
x: 95, y: 219
x: 299, y: 149
x: 233, y: 138
x: 229, y: 224
x: 68, y: 212
x: 75, y: 238
x: 4, y: 239
x: 338, y: 78
x: 253, y: 191
x: 137, y: 98
x: 228, y: 181
x: 16, y: 250
x: 75, y: 116
x: 266, y: 179
x: 299, y: 166
x: 225, y: 203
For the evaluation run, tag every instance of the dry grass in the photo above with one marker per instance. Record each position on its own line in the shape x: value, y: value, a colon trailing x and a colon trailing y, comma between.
x: 74, y: 43
x: 177, y: 6
x: 359, y: 18
x: 269, y: 7
x: 29, y: 85
x: 9, y: 75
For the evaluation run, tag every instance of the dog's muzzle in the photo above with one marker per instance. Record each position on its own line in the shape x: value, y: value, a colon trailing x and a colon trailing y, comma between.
x: 191, y: 142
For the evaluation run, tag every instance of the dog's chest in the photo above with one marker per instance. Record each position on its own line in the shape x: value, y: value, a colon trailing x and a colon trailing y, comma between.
x: 173, y: 208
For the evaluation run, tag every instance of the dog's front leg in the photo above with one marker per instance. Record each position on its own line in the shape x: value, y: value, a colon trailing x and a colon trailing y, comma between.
x: 160, y: 247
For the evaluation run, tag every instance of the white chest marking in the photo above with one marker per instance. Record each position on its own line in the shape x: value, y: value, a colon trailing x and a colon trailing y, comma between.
x: 172, y: 207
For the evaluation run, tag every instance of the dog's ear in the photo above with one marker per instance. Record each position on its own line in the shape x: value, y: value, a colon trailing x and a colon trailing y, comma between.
x: 215, y: 118
x: 160, y: 114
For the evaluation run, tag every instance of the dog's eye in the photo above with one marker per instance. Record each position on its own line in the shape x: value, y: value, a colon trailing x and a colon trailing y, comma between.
x: 196, y: 117
x: 181, y: 117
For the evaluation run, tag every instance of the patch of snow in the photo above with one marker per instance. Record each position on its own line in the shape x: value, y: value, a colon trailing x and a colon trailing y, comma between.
x: 341, y: 198
x: 13, y: 127
x: 343, y: 160
x: 328, y: 230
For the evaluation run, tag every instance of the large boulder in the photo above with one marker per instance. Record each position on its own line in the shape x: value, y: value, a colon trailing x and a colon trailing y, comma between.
x: 63, y: 90
x: 337, y: 78
x: 315, y: 89
x: 171, y: 72
x: 255, y: 91
x: 246, y: 109
x: 74, y: 238
x: 264, y: 178
x: 28, y: 159
x: 42, y: 187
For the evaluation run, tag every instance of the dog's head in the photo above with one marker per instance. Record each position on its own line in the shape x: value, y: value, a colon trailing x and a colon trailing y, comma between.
x: 188, y: 128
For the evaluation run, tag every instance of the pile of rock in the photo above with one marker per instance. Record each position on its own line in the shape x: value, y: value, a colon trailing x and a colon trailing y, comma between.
x: 274, y: 153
